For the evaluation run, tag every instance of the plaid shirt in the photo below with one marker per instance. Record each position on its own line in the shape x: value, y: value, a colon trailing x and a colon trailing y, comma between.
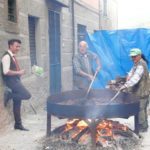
x: 83, y: 62
x: 135, y: 75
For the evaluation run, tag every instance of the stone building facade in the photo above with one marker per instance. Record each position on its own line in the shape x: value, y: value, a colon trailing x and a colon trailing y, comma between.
x: 50, y: 31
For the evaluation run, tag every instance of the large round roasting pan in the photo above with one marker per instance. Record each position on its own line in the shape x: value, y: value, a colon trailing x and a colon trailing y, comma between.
x: 124, y: 106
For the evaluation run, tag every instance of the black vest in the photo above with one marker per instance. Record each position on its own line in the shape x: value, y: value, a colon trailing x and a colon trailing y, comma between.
x: 8, y: 78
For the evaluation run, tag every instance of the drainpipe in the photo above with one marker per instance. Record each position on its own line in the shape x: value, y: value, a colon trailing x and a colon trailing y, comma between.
x: 99, y: 11
x: 73, y: 30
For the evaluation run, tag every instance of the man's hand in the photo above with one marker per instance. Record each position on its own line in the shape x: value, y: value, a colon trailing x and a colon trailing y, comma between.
x: 91, y: 77
x: 13, y: 73
x: 21, y: 72
x: 123, y: 87
x: 98, y: 68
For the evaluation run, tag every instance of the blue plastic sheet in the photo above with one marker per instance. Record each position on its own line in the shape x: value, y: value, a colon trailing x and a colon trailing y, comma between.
x: 113, y: 49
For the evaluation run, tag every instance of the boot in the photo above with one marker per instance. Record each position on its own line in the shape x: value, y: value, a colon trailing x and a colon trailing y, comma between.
x: 17, y: 115
x: 20, y: 127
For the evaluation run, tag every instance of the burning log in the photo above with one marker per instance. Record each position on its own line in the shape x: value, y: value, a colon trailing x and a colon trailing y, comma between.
x: 78, y: 136
x: 59, y: 129
x: 63, y: 127
x: 66, y: 134
x: 64, y: 130
x: 127, y: 133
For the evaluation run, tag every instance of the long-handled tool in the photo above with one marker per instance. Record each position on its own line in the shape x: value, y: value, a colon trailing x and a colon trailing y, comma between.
x: 90, y: 86
x: 112, y: 99
x: 115, y: 96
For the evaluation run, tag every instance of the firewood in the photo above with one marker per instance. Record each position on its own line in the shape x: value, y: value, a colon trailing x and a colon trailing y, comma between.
x: 77, y: 137
x: 62, y: 128
x: 59, y: 129
x: 123, y: 133
x: 65, y: 135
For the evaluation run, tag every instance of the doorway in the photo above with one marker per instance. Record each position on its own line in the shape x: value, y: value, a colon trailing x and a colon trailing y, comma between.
x: 54, y: 52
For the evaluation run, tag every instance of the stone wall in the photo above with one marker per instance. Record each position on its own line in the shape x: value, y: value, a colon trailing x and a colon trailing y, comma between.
x: 6, y: 117
x: 39, y: 86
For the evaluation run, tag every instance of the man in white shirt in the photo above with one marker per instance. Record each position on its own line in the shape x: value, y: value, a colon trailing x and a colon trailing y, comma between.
x: 11, y: 75
x: 138, y: 83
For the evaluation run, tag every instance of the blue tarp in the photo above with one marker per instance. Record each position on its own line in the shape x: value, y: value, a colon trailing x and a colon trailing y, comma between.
x: 113, y: 49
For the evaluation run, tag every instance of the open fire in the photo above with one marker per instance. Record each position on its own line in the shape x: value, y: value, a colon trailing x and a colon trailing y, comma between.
x: 106, y: 130
x: 96, y: 131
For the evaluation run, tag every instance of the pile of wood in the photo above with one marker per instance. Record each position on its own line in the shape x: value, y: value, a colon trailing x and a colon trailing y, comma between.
x: 116, y: 84
x: 117, y: 129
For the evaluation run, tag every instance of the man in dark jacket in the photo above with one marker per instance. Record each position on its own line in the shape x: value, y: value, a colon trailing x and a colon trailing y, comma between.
x: 11, y: 76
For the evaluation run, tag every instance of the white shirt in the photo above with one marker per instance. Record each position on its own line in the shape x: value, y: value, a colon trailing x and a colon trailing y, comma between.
x: 6, y: 62
x: 135, y: 75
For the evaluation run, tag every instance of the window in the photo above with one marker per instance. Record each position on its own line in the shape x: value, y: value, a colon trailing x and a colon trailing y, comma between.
x: 32, y: 41
x: 12, y: 10
x: 81, y: 33
x: 11, y: 16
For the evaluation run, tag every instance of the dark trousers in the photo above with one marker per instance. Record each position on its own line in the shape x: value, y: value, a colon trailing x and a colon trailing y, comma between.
x: 143, y: 117
x: 19, y: 93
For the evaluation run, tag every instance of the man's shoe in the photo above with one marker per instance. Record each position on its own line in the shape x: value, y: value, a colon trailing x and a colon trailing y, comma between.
x: 143, y: 130
x: 20, y: 127
x: 7, y: 97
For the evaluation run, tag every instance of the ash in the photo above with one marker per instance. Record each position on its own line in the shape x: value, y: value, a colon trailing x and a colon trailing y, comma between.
x: 55, y: 143
x: 123, y: 143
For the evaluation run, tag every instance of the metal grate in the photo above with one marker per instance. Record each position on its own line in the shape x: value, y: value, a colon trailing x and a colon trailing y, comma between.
x: 32, y: 23
x: 12, y: 10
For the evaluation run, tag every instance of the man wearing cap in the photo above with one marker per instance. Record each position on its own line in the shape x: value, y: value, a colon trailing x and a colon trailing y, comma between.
x: 137, y: 81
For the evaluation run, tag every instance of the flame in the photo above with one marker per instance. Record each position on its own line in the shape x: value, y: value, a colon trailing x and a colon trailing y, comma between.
x: 82, y: 139
x: 105, y: 128
x: 82, y: 124
x: 74, y: 135
x: 69, y: 124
